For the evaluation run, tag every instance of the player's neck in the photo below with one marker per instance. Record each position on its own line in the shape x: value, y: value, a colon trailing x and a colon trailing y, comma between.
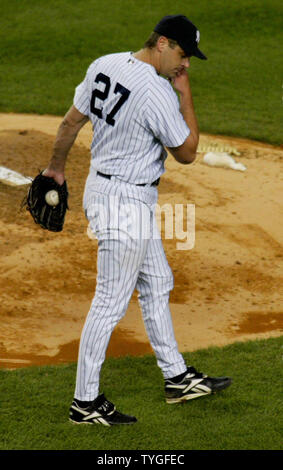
x: 148, y: 56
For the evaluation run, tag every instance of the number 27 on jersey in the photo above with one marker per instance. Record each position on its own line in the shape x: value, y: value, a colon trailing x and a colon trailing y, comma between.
x: 103, y: 95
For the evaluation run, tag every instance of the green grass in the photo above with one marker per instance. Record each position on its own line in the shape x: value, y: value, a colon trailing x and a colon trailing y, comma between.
x: 247, y: 416
x: 47, y: 45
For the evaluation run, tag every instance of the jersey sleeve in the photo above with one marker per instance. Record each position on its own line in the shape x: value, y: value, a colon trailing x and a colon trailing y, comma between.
x: 81, y: 98
x: 82, y: 93
x: 164, y: 118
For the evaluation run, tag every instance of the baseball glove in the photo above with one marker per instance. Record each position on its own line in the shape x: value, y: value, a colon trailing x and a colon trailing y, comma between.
x: 50, y: 215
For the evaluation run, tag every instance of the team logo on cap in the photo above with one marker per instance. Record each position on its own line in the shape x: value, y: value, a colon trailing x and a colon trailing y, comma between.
x: 198, y: 36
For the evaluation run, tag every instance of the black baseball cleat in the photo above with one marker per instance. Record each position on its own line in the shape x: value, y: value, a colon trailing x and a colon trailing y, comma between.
x: 193, y: 385
x: 100, y: 411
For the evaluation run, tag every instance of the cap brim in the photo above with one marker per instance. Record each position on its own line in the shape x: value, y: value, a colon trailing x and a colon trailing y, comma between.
x: 199, y: 54
x: 190, y: 50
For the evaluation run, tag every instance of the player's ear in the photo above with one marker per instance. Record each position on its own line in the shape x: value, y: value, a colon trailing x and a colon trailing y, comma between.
x: 161, y: 43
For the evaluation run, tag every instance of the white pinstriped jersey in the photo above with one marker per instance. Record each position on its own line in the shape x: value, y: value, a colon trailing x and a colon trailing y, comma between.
x: 134, y: 112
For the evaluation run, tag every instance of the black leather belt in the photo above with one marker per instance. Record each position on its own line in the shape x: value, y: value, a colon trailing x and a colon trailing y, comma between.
x: 155, y: 183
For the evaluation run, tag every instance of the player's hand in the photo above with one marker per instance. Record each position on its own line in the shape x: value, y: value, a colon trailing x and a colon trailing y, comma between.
x: 56, y: 175
x: 181, y: 81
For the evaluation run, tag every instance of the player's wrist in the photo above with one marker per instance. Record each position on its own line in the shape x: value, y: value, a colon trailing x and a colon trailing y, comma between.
x: 185, y: 95
x: 57, y: 163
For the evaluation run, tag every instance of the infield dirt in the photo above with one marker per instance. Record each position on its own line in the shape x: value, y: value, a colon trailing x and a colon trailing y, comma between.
x: 227, y: 288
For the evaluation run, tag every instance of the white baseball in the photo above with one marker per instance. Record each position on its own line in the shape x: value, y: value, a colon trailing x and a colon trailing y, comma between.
x: 52, y: 198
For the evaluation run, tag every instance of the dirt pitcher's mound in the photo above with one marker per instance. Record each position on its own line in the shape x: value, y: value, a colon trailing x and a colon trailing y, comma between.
x: 227, y: 288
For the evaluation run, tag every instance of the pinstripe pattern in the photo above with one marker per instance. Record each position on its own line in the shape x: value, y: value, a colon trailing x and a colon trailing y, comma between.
x: 122, y: 215
x: 150, y: 119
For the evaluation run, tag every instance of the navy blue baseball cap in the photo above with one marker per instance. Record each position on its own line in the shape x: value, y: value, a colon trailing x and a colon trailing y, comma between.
x: 182, y: 30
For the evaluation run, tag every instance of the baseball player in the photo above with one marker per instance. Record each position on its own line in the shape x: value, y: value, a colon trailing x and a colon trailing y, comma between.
x: 135, y: 112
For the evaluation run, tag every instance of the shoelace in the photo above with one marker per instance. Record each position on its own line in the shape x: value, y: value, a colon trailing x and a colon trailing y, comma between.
x: 106, y: 406
x: 198, y: 375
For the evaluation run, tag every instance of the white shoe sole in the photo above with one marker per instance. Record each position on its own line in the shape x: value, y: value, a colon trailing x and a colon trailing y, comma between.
x: 187, y: 397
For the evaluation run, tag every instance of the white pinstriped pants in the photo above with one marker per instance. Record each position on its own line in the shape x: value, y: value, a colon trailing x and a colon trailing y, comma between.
x: 130, y: 255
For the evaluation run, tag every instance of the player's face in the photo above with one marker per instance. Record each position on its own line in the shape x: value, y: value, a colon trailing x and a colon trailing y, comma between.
x: 173, y: 61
